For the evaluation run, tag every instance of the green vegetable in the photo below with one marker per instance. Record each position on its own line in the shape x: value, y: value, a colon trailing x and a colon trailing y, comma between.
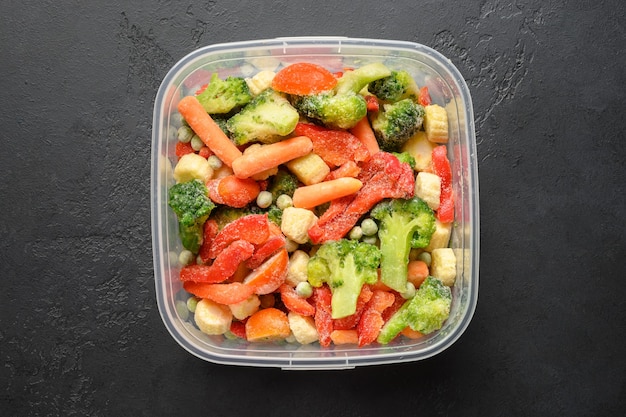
x: 405, y: 157
x: 264, y: 199
x: 346, y: 265
x: 224, y: 96
x: 395, y: 123
x: 191, y: 203
x: 266, y: 119
x: 283, y: 183
x: 404, y: 224
x: 342, y: 107
x: 425, y: 312
x: 397, y: 86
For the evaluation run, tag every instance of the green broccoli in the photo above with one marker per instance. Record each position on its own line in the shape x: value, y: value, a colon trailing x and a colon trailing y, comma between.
x: 346, y: 265
x: 191, y: 203
x: 284, y: 182
x: 266, y: 119
x: 224, y: 96
x: 397, y: 86
x: 342, y: 107
x: 425, y: 312
x: 395, y: 123
x: 405, y: 157
x: 403, y: 224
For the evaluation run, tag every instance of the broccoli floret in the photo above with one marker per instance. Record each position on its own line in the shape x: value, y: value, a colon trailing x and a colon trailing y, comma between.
x: 274, y: 214
x: 403, y: 224
x: 342, y: 107
x: 226, y: 214
x: 266, y: 119
x: 222, y: 123
x: 397, y: 86
x: 191, y: 203
x: 425, y: 312
x: 406, y: 158
x: 346, y: 265
x: 224, y: 96
x: 284, y: 182
x: 395, y: 123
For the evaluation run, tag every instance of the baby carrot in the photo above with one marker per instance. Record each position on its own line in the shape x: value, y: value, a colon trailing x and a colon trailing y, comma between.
x: 364, y: 132
x: 269, y: 156
x: 313, y: 195
x: 210, y: 133
x: 417, y: 271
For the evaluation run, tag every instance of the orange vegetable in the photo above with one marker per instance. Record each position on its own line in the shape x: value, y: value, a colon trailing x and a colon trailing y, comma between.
x: 347, y: 169
x: 237, y: 192
x: 270, y: 275
x: 206, y: 128
x: 310, y: 196
x: 344, y: 337
x: 267, y: 324
x: 363, y: 131
x: 417, y: 272
x: 303, y: 78
x: 410, y: 333
x: 294, y: 302
x: 270, y: 156
x: 231, y: 293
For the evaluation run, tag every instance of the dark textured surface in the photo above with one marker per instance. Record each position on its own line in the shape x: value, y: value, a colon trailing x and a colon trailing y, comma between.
x: 80, y: 332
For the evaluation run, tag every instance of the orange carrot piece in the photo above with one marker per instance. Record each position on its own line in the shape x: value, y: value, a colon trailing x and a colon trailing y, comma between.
x: 417, y: 272
x: 313, y: 195
x: 344, y: 337
x: 229, y: 293
x: 267, y: 324
x: 270, y: 156
x: 410, y: 333
x: 237, y: 192
x: 364, y: 132
x: 270, y: 275
x: 303, y: 79
x: 206, y: 128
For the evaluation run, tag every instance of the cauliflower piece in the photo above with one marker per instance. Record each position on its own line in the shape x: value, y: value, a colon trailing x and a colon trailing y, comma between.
x: 297, y: 271
x: 192, y: 166
x: 303, y: 328
x: 245, y: 308
x: 441, y: 237
x: 212, y: 318
x: 428, y: 188
x: 260, y: 82
x: 443, y: 265
x: 310, y: 168
x: 296, y: 222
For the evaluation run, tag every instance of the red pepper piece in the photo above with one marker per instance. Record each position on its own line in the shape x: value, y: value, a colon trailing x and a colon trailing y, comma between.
x: 399, y: 301
x: 253, y: 228
x: 224, y: 266
x: 383, y: 176
x: 238, y: 328
x: 424, y: 98
x: 210, y: 230
x: 441, y: 167
x: 229, y: 293
x: 323, y: 316
x: 335, y: 147
x: 183, y: 149
x: 265, y: 250
x: 294, y: 302
x: 372, y: 103
x: 372, y: 320
x: 350, y: 322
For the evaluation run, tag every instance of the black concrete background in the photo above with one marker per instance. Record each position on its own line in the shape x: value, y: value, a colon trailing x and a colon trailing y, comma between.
x: 80, y: 332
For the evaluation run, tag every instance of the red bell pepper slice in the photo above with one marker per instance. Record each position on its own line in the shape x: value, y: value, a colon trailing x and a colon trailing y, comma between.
x: 441, y: 167
x: 335, y: 147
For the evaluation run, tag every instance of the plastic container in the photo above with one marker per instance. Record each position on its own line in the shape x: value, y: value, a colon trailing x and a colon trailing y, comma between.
x: 447, y: 88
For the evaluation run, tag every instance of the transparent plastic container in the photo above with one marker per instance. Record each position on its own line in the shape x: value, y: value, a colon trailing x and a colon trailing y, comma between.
x: 447, y: 88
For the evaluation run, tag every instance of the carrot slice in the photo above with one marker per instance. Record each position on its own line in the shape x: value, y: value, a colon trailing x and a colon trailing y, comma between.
x: 270, y: 156
x: 206, y: 128
x: 267, y: 325
x: 363, y: 131
x: 417, y: 272
x: 270, y: 275
x: 313, y: 195
x: 237, y: 192
x: 303, y: 78
x: 344, y: 337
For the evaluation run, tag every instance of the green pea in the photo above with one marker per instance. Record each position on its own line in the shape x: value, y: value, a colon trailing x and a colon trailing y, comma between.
x: 369, y: 227
x: 356, y: 233
x: 264, y: 199
x: 283, y: 201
